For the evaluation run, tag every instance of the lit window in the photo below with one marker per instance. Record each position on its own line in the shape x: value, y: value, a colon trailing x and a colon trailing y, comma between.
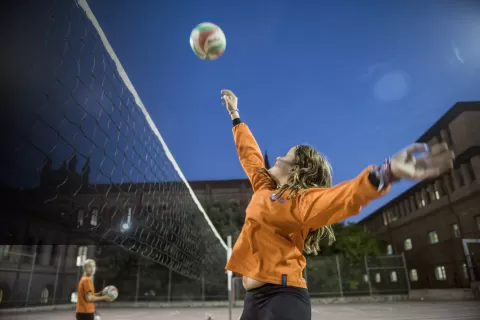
x: 129, y: 215
x: 456, y: 230
x: 82, y: 255
x: 80, y: 217
x: 94, y: 217
x: 365, y: 278
x: 465, y: 271
x: 413, y: 275
x: 378, y: 278
x: 393, y: 276
x: 407, y: 244
x: 385, y: 218
x: 4, y: 251
x: 389, y: 250
x: 432, y: 237
x: 440, y: 273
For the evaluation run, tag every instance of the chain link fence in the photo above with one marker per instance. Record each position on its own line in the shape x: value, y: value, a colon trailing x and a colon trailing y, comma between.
x: 39, y: 277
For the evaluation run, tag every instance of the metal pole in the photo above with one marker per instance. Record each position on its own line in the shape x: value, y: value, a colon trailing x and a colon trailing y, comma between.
x: 339, y: 273
x: 368, y: 276
x: 137, y: 286
x: 203, y: 288
x: 56, y: 280
x: 169, y: 297
x: 31, y: 276
x: 229, y: 278
x: 406, y: 271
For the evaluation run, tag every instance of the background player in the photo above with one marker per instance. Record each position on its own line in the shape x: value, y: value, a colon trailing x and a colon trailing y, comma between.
x: 86, y: 293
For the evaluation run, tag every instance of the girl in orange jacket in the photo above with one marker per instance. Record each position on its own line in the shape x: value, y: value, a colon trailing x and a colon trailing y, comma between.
x: 292, y: 208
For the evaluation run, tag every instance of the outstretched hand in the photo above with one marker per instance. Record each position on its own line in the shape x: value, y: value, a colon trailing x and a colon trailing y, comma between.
x: 229, y: 100
x: 431, y: 163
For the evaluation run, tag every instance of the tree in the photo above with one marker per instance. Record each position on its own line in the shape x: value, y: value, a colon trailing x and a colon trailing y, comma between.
x: 352, y: 244
x: 227, y: 218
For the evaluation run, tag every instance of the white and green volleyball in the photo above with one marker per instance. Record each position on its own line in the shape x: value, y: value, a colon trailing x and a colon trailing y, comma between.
x: 208, y: 41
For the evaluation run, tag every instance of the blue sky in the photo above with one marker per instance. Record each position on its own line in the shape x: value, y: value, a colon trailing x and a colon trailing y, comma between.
x: 356, y: 81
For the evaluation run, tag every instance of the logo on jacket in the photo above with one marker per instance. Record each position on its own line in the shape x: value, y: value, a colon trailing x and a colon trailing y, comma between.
x: 281, y: 200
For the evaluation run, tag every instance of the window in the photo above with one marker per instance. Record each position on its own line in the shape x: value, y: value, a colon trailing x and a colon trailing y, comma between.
x: 436, y: 192
x: 365, y: 278
x: 4, y: 251
x: 94, y: 217
x: 44, y: 296
x: 413, y: 275
x: 456, y: 230
x: 80, y: 217
x: 378, y: 278
x: 389, y: 250
x: 385, y: 218
x: 432, y: 237
x: 82, y: 255
x: 440, y: 273
x: 465, y: 271
x: 393, y: 276
x: 128, y: 221
x: 407, y: 244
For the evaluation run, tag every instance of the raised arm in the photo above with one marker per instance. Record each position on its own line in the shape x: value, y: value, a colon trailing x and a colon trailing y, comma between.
x: 247, y: 147
x: 250, y: 155
x: 324, y: 206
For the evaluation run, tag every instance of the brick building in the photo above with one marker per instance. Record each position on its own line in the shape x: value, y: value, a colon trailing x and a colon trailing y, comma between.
x: 428, y: 221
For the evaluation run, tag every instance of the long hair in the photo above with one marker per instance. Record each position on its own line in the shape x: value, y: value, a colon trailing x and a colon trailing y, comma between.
x: 314, y: 171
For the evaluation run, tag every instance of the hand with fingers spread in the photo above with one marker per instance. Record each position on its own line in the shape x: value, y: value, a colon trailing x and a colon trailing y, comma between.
x: 230, y: 101
x: 431, y: 163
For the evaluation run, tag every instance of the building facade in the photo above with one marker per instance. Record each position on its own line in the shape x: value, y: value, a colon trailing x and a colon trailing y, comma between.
x: 48, y: 228
x: 428, y: 222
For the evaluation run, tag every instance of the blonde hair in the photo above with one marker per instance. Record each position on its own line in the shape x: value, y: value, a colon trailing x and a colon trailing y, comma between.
x: 88, y: 262
x: 314, y: 171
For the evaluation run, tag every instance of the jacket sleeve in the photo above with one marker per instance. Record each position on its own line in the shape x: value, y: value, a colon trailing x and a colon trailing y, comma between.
x: 250, y: 155
x: 324, y: 206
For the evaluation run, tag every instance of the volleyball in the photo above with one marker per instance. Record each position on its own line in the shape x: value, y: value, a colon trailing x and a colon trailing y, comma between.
x: 208, y: 41
x: 110, y: 291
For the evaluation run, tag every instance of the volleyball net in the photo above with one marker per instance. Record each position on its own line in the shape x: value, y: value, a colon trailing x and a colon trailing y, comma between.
x: 85, y: 163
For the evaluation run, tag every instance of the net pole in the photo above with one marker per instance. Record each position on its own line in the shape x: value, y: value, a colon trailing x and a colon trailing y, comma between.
x: 56, y: 280
x: 406, y: 272
x: 368, y: 276
x: 339, y: 274
x: 229, y: 279
x: 30, y: 278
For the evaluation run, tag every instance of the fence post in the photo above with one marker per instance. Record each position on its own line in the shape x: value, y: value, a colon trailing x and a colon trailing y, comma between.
x: 56, y: 280
x: 31, y: 276
x: 169, y: 294
x: 368, y: 276
x: 137, y: 285
x: 406, y: 272
x: 229, y: 278
x: 339, y: 274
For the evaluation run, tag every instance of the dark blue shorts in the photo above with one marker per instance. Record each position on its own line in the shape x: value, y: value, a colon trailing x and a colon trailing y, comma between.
x: 272, y: 301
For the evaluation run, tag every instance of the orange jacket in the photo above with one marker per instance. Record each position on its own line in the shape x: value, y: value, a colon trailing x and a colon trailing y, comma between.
x: 85, y: 286
x: 270, y: 246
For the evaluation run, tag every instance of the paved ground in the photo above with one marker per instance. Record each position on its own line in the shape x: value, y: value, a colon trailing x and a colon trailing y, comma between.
x: 383, y: 311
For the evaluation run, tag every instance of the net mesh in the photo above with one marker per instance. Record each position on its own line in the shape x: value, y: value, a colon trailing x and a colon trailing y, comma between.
x: 83, y: 152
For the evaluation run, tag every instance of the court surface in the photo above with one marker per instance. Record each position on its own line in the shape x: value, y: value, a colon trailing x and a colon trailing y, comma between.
x: 466, y: 310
